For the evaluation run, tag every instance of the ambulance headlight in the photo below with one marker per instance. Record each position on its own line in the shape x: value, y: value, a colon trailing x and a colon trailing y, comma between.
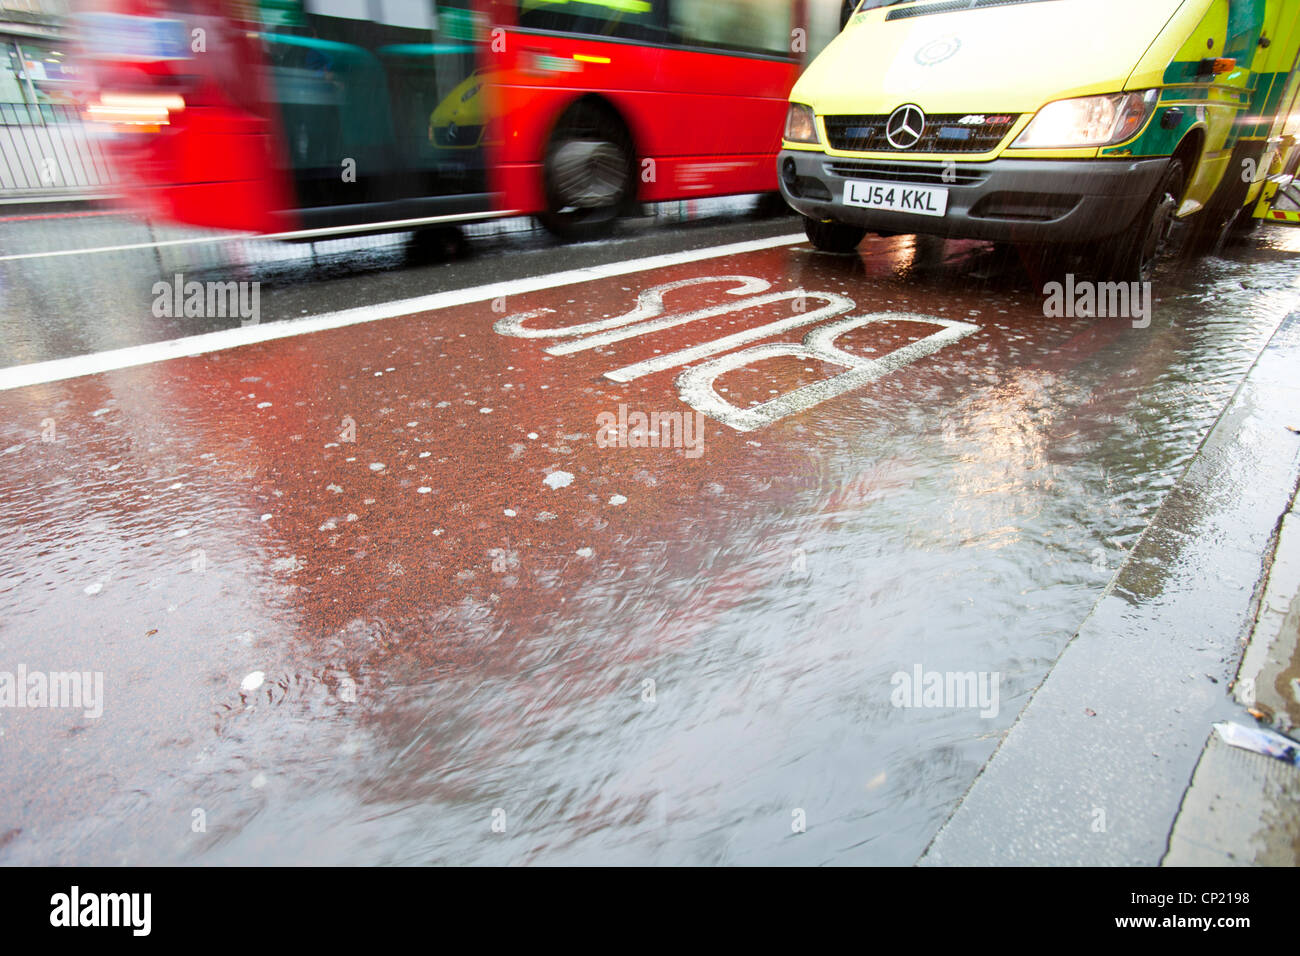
x: 1088, y: 121
x: 800, y: 126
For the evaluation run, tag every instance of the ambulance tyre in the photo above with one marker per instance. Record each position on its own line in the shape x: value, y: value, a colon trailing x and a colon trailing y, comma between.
x: 1216, y: 224
x: 1132, y: 255
x: 1207, y: 231
x: 1244, y: 224
x: 832, y: 236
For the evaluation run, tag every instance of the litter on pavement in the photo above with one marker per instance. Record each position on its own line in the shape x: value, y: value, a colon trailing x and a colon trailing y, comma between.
x: 1259, y: 740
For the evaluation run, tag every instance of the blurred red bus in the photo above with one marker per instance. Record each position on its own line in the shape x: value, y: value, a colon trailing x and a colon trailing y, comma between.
x: 277, y: 116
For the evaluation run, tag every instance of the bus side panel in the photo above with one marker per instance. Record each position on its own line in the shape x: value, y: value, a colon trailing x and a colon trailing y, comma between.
x: 723, y: 141
x: 743, y: 112
x: 199, y: 174
x: 218, y: 160
x: 687, y: 177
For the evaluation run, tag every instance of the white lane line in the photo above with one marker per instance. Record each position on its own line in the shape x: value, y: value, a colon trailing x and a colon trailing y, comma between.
x: 325, y: 232
x: 40, y: 373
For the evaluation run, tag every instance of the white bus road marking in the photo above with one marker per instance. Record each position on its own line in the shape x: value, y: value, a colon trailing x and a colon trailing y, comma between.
x: 649, y: 304
x: 835, y: 305
x: 695, y: 384
x: 668, y: 322
x: 40, y: 373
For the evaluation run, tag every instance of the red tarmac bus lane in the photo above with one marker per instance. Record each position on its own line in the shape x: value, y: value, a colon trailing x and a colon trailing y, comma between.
x: 412, y: 498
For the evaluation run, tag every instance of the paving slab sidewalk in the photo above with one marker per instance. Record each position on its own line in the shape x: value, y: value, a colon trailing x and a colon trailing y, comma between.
x: 1243, y: 808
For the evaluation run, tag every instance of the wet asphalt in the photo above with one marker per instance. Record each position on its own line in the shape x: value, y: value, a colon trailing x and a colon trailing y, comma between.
x: 390, y: 592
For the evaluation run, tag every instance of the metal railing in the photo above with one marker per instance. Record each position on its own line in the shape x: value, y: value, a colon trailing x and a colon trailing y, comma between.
x: 47, y: 149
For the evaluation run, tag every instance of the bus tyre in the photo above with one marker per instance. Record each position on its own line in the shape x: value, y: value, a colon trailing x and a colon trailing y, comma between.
x: 1133, y: 254
x: 832, y: 236
x: 587, y: 173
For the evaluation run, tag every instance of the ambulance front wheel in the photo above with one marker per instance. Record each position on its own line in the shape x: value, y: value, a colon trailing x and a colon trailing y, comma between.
x: 1132, y: 255
x: 832, y: 236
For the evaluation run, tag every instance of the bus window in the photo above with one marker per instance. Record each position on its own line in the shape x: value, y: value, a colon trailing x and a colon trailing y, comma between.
x: 357, y: 98
x: 413, y: 14
x: 625, y: 19
x: 751, y: 26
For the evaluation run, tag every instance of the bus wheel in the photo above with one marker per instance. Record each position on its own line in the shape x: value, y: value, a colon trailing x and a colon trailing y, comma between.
x: 587, y: 173
x: 832, y: 236
x: 1133, y: 254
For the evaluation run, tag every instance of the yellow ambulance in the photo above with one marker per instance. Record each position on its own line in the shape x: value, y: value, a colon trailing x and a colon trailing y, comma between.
x: 1094, y: 123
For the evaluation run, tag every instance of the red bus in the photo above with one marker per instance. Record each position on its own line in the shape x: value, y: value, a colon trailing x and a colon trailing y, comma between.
x: 278, y: 116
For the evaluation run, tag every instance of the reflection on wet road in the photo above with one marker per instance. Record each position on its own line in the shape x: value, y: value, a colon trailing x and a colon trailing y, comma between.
x: 485, y: 636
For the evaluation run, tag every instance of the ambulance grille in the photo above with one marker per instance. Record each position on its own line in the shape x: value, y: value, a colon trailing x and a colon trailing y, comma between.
x: 944, y: 133
x: 928, y: 174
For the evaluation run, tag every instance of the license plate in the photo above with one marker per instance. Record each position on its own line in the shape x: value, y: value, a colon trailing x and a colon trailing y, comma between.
x: 896, y: 197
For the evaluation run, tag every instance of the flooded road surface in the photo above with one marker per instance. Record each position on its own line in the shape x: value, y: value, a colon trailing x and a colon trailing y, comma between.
x: 410, y: 591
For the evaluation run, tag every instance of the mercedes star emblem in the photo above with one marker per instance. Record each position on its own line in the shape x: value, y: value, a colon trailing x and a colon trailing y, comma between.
x: 905, y: 127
